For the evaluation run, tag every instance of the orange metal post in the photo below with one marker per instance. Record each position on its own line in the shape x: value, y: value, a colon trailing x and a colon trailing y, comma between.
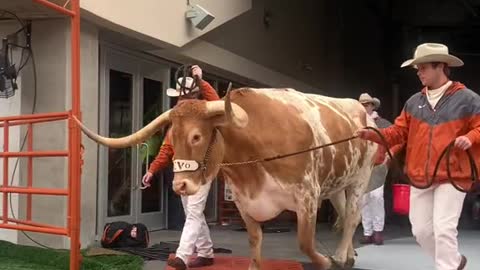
x: 70, y: 173
x: 5, y: 172
x: 30, y: 171
x: 75, y: 187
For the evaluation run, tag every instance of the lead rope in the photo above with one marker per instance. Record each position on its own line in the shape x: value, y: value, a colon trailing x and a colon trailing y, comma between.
x: 248, y: 162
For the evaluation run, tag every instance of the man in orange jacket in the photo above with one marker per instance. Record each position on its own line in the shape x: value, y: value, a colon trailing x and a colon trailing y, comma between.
x: 443, y: 112
x: 195, y: 232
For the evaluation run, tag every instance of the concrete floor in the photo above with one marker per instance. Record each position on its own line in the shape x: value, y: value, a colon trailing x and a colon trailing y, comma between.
x: 404, y: 253
x: 399, y: 252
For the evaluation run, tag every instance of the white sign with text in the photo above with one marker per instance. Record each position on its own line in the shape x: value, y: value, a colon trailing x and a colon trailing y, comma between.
x: 180, y: 165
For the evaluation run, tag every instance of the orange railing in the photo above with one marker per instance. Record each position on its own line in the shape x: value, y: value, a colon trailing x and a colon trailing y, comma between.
x: 73, y: 153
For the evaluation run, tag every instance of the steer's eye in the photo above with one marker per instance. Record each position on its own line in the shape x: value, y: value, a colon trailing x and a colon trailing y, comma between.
x: 196, y: 138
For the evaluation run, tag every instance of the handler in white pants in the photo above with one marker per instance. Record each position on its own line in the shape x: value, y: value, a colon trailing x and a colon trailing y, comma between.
x: 373, y: 210
x: 195, y: 232
x: 436, y: 214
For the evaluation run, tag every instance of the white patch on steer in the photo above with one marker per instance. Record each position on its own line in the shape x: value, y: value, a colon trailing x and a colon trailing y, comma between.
x: 305, y: 104
x: 269, y: 202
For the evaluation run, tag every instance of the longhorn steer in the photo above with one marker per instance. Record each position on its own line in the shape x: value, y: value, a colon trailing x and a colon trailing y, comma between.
x: 258, y: 123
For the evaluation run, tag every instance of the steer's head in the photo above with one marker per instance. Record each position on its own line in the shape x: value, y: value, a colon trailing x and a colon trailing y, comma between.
x: 197, y: 143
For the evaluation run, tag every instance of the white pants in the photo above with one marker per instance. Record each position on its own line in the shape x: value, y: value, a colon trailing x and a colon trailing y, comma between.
x: 195, y: 232
x: 373, y: 212
x: 434, y: 215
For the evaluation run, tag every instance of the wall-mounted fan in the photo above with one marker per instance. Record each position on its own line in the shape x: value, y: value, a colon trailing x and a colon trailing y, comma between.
x: 8, y: 73
x: 9, y: 67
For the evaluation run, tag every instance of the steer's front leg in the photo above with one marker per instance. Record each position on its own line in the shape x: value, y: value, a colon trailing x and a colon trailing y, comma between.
x: 306, y: 223
x: 255, y: 239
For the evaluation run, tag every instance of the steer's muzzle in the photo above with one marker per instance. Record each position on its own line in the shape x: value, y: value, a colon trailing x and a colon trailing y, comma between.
x: 185, y: 186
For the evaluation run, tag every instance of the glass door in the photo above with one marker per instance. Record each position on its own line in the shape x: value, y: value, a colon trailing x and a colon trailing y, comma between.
x: 119, y: 176
x: 131, y: 95
x: 151, y: 202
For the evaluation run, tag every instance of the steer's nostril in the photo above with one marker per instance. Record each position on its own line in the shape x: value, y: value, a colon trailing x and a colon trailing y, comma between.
x: 182, y: 187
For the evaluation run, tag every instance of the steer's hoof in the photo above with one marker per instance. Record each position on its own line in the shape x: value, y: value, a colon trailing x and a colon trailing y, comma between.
x: 254, y: 265
x: 336, y: 265
x: 350, y: 263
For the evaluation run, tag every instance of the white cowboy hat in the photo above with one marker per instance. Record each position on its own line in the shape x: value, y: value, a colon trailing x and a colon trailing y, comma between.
x: 188, y: 84
x: 433, y: 52
x: 366, y: 98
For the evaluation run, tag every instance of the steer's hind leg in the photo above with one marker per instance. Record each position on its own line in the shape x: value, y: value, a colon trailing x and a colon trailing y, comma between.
x: 306, y: 221
x: 255, y: 239
x: 344, y: 254
x: 339, y: 201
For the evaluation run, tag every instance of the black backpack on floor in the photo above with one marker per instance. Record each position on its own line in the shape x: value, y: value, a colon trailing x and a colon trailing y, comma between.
x: 122, y: 234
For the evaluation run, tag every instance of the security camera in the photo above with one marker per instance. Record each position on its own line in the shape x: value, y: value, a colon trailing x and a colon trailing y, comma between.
x: 199, y: 16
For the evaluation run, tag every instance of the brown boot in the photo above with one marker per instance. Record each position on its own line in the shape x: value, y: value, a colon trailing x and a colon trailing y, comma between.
x: 176, y: 263
x: 366, y: 240
x: 378, y: 238
x: 200, y: 262
x: 463, y: 263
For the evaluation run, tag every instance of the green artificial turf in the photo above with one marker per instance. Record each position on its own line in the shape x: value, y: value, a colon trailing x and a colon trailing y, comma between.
x: 17, y: 257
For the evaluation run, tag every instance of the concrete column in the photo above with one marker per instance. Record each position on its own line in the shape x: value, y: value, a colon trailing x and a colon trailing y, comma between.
x: 51, y: 47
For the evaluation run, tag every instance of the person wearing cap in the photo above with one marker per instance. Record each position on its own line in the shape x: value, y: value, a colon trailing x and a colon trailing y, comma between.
x: 444, y: 111
x: 373, y: 206
x: 195, y: 233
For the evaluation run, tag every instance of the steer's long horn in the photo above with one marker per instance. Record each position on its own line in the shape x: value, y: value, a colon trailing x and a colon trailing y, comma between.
x: 234, y: 114
x: 133, y: 139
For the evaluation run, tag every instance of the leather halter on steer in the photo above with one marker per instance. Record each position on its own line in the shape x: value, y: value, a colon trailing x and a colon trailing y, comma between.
x: 180, y: 165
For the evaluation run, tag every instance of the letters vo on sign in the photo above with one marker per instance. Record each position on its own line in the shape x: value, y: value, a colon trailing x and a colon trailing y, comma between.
x: 180, y: 165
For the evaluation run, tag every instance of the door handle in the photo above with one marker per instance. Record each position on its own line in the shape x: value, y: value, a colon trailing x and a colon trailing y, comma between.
x: 139, y: 182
